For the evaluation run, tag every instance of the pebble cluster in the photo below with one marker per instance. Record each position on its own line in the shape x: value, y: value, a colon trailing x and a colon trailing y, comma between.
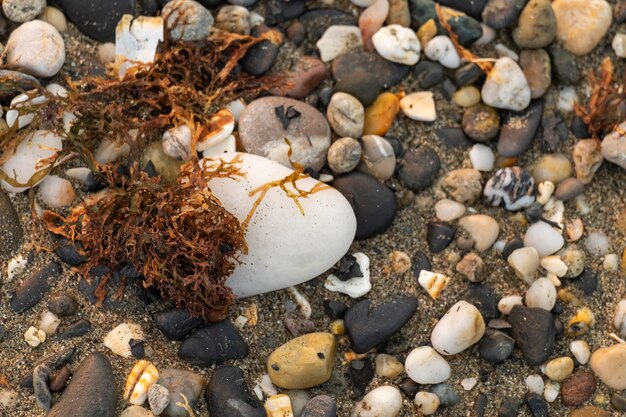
x: 357, y: 76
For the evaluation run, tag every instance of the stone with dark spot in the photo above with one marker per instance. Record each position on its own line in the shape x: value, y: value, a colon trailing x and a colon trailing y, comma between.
x: 33, y: 288
x: 10, y: 226
x: 534, y: 332
x: 213, y: 345
x: 177, y: 324
x: 519, y: 129
x: 553, y: 131
x: 227, y: 394
x: 97, y: 18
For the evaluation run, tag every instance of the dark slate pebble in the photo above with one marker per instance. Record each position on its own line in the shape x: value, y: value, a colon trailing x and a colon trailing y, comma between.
x: 419, y: 263
x: 448, y: 88
x: 534, y: 212
x: 587, y: 282
x: 317, y: 21
x: 564, y: 66
x: 480, y: 406
x: 3, y: 333
x: 279, y: 11
x: 537, y: 405
x: 374, y: 204
x: 137, y: 348
x: 447, y: 394
x: 93, y: 183
x: 348, y: 268
x: 579, y: 128
x: 52, y: 361
x: 511, y: 246
x: 618, y: 402
x: 509, y: 408
x: 34, y: 287
x: 96, y: 18
x: 13, y: 83
x: 296, y: 32
x: 553, y: 131
x: 387, y: 73
x: 259, y: 58
x: 496, y: 346
x: 227, y: 394
x: 368, y: 328
x: 68, y: 253
x: 43, y: 397
x: 485, y: 300
x: 396, y: 144
x: 62, y: 304
x: 569, y: 189
x: 453, y: 137
x: 78, y: 329
x: 334, y: 309
x: 419, y: 168
x: 409, y: 387
x: 177, y: 324
x: 499, y: 14
x: 213, y: 344
x: 431, y: 73
x: 360, y: 373
x: 519, y: 129
x: 320, y: 406
x: 88, y: 287
x: 10, y: 227
x: 534, y: 332
x: 439, y: 235
x: 363, y: 85
x: 472, y: 7
x: 59, y: 379
x: 467, y: 74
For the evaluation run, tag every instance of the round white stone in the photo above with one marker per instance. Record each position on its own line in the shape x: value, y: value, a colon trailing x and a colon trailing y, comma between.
x: 338, y: 40
x: 597, y: 243
x: 469, y: 383
x: 543, y: 237
x: 35, y: 48
x: 441, y: 49
x: 506, y: 304
x: 419, y: 106
x: 541, y: 294
x: 525, y: 262
x: 285, y: 246
x: 427, y: 402
x: 482, y: 157
x: 425, y: 366
x: 506, y: 86
x: 385, y: 401
x: 534, y: 383
x: 610, y: 262
x: 397, y: 44
x: 580, y: 350
x: 56, y: 191
x: 458, y: 329
x: 447, y: 210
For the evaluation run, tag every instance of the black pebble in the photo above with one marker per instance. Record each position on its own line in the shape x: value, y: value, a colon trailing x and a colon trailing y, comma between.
x: 278, y: 11
x: 511, y: 246
x: 259, y: 58
x: 447, y: 394
x: 537, y: 405
x: 439, y: 235
x: 554, y: 131
x: 68, y: 252
x: 431, y: 73
x: 360, y: 373
x: 420, y: 262
x: 320, y: 406
x: 34, y: 287
x: 80, y: 328
x: 227, y: 394
x: 509, y: 408
x: 213, y: 345
x: 453, y: 137
x: 564, y: 65
x: 177, y: 324
x: 93, y: 183
x: 62, y: 304
x: 409, y: 387
x: 334, y: 309
x: 396, y: 144
x: 467, y: 74
x: 368, y: 328
x: 496, y: 346
x: 579, y: 128
x: 348, y: 268
x: 485, y: 300
x: 137, y: 348
x: 587, y: 282
x: 419, y: 168
x: 96, y: 18
x: 360, y: 84
x: 534, y: 332
x: 534, y: 212
x: 480, y: 406
x: 53, y: 361
x: 473, y: 8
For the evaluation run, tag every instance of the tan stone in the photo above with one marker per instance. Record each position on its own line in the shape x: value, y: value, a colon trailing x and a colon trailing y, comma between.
x: 589, y: 411
x: 581, y: 24
x: 609, y: 364
x: 588, y: 157
x: 560, y: 368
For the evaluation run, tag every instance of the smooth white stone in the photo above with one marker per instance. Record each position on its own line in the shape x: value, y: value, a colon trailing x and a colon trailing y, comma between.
x: 397, y: 44
x: 35, y: 48
x: 56, y: 192
x: 228, y: 145
x: 447, y: 210
x: 506, y: 86
x: 354, y: 287
x: 597, y: 244
x: 49, y: 323
x: 458, y: 329
x: 611, y: 262
x: 57, y: 90
x: 338, y: 40
x: 619, y: 45
x: 427, y: 403
x: 15, y: 266
x: 580, y: 350
x: 567, y: 98
x: 546, y: 189
x: 32, y: 155
x: 236, y: 108
x: 285, y: 247
x: 525, y: 262
x: 543, y: 237
x: 256, y: 19
x: 482, y: 157
x: 385, y: 401
x: 499, y: 245
x: 551, y: 391
x: 425, y: 366
x: 541, y: 294
x: 79, y: 173
x: 506, y: 304
x: 441, y: 49
x: 554, y: 264
x: 419, y: 106
x: 534, y: 383
x: 469, y: 383
x: 483, y: 229
x: 619, y: 320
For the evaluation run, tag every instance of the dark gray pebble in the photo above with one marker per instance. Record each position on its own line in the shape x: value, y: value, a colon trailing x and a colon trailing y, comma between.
x: 499, y: 14
x: 431, y: 73
x: 534, y: 332
x: 569, y: 189
x: 409, y: 387
x: 485, y: 300
x: 618, y: 402
x: 177, y: 324
x: 43, y: 397
x: 95, y: 18
x: 564, y: 65
x: 473, y: 7
x: 467, y: 74
x: 387, y: 73
x: 496, y: 346
x: 78, y: 329
x: 62, y: 304
x: 511, y: 246
x: 537, y: 405
x: 579, y: 128
x: 419, y: 168
x: 59, y: 379
x: 419, y: 263
x: 439, y: 235
x: 509, y: 408
x: 259, y: 58
x: 68, y: 253
x: 227, y: 394
x: 320, y: 406
x: 554, y: 131
x: 334, y: 309
x: 587, y: 282
x: 213, y: 344
x: 10, y: 226
x: 480, y: 406
x: 363, y: 85
x: 453, y: 137
x: 519, y: 129
x: 34, y: 287
x: 447, y: 394
x: 360, y: 373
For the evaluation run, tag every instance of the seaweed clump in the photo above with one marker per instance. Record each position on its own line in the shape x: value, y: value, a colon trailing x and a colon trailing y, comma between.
x: 177, y: 235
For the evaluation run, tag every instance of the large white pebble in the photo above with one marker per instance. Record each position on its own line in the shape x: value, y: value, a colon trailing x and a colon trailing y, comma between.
x: 33, y: 154
x: 441, y: 49
x: 427, y: 402
x: 458, y: 329
x: 56, y: 191
x: 425, y: 366
x: 285, y: 247
x: 543, y: 237
x: 541, y: 294
x: 35, y: 48
x: 385, y: 401
x: 482, y: 157
x: 338, y: 40
x: 397, y: 44
x: 535, y: 384
x: 483, y: 230
x: 506, y: 86
x: 419, y: 106
x: 525, y: 262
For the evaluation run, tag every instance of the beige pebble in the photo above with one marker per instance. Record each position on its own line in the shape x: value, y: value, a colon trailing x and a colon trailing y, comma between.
x: 55, y: 17
x: 34, y: 336
x: 580, y: 350
x: 106, y: 52
x: 574, y: 229
x: 388, y: 366
x: 427, y: 403
x: 581, y: 24
x: 587, y: 155
x: 467, y: 96
x: 483, y: 230
x: 560, y: 368
x: 606, y: 360
x: 279, y: 406
x: 472, y: 267
x: 400, y: 262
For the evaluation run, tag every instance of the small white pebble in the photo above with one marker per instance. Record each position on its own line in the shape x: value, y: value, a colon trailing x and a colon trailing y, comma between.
x: 427, y: 403
x: 541, y: 294
x: 106, y: 52
x: 49, y: 323
x: 546, y: 189
x: 482, y: 157
x: 580, y: 350
x: 534, y: 383
x: 447, y: 210
x: 56, y: 192
x: 506, y: 304
x: 551, y: 391
x: 525, y: 262
x: 469, y: 383
x: 611, y: 262
x: 619, y: 45
x: 582, y: 206
x: 34, y: 336
x: 567, y: 98
x: 240, y: 322
x: 15, y: 266
x: 499, y: 245
x: 419, y: 106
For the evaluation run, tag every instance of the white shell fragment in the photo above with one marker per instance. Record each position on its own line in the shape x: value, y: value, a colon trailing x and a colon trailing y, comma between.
x: 458, y: 329
x: 139, y: 381
x: 397, y: 44
x: 525, y: 262
x: 432, y: 282
x: 136, y: 41
x: 118, y: 339
x: 354, y: 287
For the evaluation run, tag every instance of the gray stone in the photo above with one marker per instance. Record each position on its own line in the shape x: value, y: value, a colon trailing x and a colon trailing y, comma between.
x: 569, y: 189
x: 519, y: 129
x: 43, y: 397
x: 23, y: 10
x: 499, y: 14
x: 320, y: 406
x: 33, y: 288
x: 344, y: 155
x: 10, y: 227
x: 179, y: 382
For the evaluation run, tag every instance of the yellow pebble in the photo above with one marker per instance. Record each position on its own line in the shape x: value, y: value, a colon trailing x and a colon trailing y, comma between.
x: 426, y: 32
x: 581, y: 322
x: 466, y: 96
x: 380, y: 115
x: 278, y: 406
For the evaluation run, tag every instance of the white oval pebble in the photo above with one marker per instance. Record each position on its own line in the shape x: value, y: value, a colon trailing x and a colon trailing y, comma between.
x: 441, y: 49
x: 534, y: 383
x: 338, y: 40
x: 482, y: 229
x: 619, y: 45
x: 525, y: 262
x: 543, y: 237
x: 425, y: 366
x: 482, y: 157
x: 419, y: 106
x: 551, y: 391
x: 469, y: 383
x: 567, y: 98
x: 447, y: 210
x: 397, y: 44
x: 580, y: 350
x: 541, y: 294
x: 56, y: 192
x: 506, y: 304
x: 619, y: 319
x: 611, y: 262
x: 458, y: 329
x: 554, y: 264
x: 385, y: 401
x: 427, y: 403
x: 49, y: 322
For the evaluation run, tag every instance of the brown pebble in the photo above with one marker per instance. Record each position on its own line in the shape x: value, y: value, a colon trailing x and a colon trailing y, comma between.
x: 589, y: 411
x: 472, y: 266
x: 59, y: 379
x: 578, y: 388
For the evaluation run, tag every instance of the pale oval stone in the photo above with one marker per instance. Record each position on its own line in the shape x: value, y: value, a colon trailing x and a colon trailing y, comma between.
x: 467, y: 96
x: 596, y: 243
x: 49, y: 323
x: 483, y: 230
x: 534, y: 383
x: 388, y: 366
x: 543, y: 237
x: 345, y: 115
x: 55, y: 17
x: 441, y: 49
x: 525, y: 262
x: 608, y: 364
x: 32, y: 155
x: 419, y: 106
x: 555, y: 265
x: 371, y: 20
x: 397, y: 44
x: 580, y: 350
x: 305, y: 245
x: 541, y: 294
x: 458, y: 329
x: 551, y: 391
x: 610, y: 262
x: 56, y: 192
x: 469, y: 383
x: 427, y: 403
x: 385, y: 401
x: 506, y: 304
x: 338, y: 40
x: 567, y: 98
x: 552, y: 167
x: 506, y: 86
x: 482, y: 157
x: 581, y: 24
x: 425, y: 366
x: 344, y: 155
x: 447, y: 210
x: 233, y: 18
x: 619, y: 45
x: 106, y: 52
x: 35, y: 48
x: 619, y: 320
